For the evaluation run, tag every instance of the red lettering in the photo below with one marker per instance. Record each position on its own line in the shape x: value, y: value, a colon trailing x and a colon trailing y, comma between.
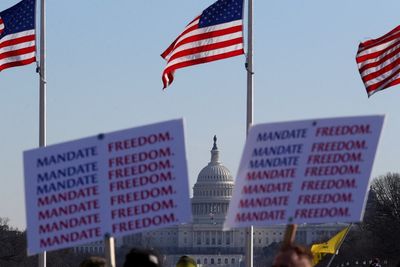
x: 139, y: 141
x: 146, y: 222
x: 355, y: 129
x: 322, y: 212
x: 70, y: 237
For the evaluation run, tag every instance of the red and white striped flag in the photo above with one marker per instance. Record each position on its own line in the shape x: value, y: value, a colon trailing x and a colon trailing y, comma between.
x: 17, y: 35
x: 216, y: 34
x: 379, y: 61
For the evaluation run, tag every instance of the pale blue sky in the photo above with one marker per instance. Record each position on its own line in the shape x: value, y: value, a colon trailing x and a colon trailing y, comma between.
x: 104, y: 74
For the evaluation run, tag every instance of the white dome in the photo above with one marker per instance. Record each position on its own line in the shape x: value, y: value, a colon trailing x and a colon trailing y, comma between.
x: 213, y: 190
x: 214, y: 171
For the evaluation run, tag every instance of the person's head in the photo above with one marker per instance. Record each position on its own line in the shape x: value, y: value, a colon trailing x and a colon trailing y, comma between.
x: 93, y: 262
x: 375, y: 260
x: 293, y: 256
x: 186, y: 261
x: 142, y: 258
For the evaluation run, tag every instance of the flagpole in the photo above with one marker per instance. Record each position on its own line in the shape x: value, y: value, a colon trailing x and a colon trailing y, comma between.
x: 249, y: 121
x: 249, y: 66
x: 42, y: 94
x: 340, y: 244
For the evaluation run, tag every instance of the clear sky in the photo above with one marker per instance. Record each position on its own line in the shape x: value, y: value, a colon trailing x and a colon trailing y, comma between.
x: 104, y: 74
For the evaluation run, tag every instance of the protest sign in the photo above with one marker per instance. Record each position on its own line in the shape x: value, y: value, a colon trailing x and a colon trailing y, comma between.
x: 117, y: 183
x: 312, y: 171
x: 147, y: 179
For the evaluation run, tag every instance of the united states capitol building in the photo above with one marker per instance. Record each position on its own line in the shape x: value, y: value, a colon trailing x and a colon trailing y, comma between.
x: 204, y: 239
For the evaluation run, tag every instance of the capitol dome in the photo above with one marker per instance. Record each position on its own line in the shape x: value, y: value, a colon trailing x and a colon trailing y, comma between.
x: 212, y: 191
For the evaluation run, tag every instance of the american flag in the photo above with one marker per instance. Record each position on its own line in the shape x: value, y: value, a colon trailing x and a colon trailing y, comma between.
x: 17, y: 35
x: 216, y: 34
x: 379, y: 61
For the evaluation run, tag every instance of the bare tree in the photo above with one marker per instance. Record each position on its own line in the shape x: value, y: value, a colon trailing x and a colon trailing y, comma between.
x: 387, y: 192
x: 384, y: 218
x: 379, y: 233
x: 12, y: 243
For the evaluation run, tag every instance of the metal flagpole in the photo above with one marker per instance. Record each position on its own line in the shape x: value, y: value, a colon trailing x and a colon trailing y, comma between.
x: 42, y: 94
x: 249, y: 66
x: 249, y: 122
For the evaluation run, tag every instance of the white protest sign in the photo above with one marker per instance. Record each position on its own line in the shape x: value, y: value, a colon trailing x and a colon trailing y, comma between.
x: 62, y: 195
x: 117, y: 183
x: 147, y: 179
x: 312, y: 171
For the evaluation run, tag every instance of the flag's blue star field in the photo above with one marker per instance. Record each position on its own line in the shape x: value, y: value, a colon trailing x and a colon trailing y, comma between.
x: 221, y: 11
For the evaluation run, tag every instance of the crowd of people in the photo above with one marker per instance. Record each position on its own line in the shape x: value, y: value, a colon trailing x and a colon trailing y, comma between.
x: 288, y: 256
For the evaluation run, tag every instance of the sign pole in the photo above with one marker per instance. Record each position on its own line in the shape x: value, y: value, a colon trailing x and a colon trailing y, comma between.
x: 109, y: 243
x: 42, y: 259
x: 290, y: 234
x: 249, y: 122
x: 42, y: 94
